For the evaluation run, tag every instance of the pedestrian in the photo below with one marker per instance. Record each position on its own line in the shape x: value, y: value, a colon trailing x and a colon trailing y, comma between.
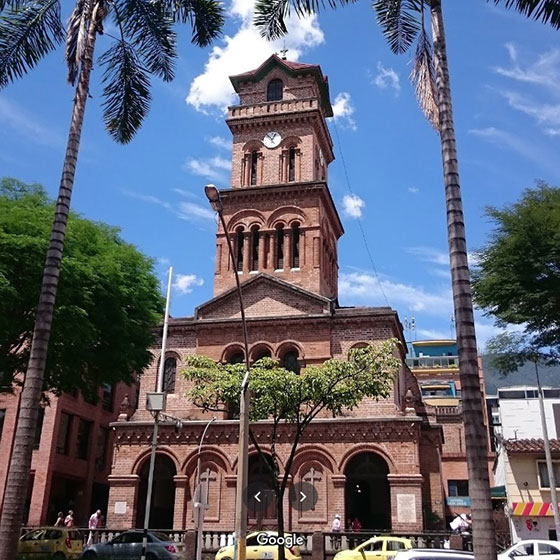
x: 59, y: 520
x: 356, y: 525
x: 461, y: 523
x: 69, y: 519
x: 94, y: 523
x: 336, y: 528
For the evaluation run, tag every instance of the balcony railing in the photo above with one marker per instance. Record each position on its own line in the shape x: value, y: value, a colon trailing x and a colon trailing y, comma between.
x: 433, y: 362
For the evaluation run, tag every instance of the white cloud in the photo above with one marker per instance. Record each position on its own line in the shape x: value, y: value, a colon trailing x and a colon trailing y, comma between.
x: 365, y: 288
x: 552, y: 131
x: 343, y: 110
x: 188, y: 211
x: 219, y: 142
x: 244, y: 51
x: 184, y: 283
x: 430, y: 254
x: 13, y: 117
x: 537, y: 154
x: 543, y: 113
x: 213, y: 168
x: 413, y: 190
x: 544, y: 71
x: 387, y: 78
x: 352, y: 206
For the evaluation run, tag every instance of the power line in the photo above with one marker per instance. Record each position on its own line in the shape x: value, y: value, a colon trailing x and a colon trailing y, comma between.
x: 358, y: 217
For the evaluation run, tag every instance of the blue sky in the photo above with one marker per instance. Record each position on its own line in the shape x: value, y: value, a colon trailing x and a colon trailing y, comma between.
x: 505, y: 76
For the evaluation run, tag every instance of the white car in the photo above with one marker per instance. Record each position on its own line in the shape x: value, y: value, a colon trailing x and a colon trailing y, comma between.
x: 433, y: 554
x: 532, y: 550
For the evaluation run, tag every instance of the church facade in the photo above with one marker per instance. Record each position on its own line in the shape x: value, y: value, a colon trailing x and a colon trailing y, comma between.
x: 380, y: 462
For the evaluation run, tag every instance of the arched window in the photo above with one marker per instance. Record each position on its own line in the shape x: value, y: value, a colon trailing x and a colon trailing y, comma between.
x: 262, y: 354
x: 275, y: 91
x: 290, y: 361
x: 169, y: 374
x: 295, y: 246
x: 237, y: 358
x: 292, y: 164
x: 255, y: 248
x: 254, y: 167
x: 279, y: 264
x: 240, y: 238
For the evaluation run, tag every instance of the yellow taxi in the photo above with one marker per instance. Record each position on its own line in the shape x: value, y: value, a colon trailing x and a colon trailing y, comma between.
x: 264, y: 546
x: 56, y: 543
x: 377, y: 548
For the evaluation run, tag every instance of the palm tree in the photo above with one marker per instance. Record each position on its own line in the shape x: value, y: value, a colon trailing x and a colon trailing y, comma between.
x: 29, y: 29
x: 402, y: 22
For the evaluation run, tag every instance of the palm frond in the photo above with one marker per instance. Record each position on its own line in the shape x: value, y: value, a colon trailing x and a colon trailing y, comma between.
x: 423, y: 78
x: 78, y: 24
x: 270, y: 17
x: 149, y: 28
x: 206, y: 17
x: 545, y: 11
x: 26, y: 36
x: 11, y: 4
x: 400, y: 22
x: 127, y: 92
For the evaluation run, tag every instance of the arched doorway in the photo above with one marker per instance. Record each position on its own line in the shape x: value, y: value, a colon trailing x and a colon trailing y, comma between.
x: 261, y: 509
x: 367, y: 495
x: 163, y: 493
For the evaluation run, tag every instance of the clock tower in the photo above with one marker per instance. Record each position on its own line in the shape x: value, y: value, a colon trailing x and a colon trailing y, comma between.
x: 278, y: 210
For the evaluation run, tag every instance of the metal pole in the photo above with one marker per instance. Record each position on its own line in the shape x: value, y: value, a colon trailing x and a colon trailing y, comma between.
x: 243, y: 461
x: 549, y: 465
x: 202, y: 500
x: 164, y: 334
x: 159, y: 385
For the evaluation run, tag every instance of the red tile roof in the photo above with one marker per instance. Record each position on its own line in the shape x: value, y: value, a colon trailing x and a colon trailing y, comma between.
x: 530, y: 445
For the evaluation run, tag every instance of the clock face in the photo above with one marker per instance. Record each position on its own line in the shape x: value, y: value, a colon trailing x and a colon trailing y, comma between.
x: 272, y: 139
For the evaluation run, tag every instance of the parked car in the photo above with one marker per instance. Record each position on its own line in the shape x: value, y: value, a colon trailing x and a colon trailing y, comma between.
x: 377, y: 548
x: 532, y: 549
x: 259, y: 547
x: 129, y: 545
x: 56, y: 543
x: 433, y: 554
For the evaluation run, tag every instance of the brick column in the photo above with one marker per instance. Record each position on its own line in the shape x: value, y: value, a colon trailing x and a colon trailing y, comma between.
x: 287, y: 248
x: 246, y: 252
x: 336, y: 498
x: 179, y: 512
x: 262, y: 253
x: 123, y: 492
x: 406, y: 502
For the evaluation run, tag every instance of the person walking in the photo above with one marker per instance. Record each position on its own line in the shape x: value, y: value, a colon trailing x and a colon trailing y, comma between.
x: 59, y: 520
x: 336, y: 528
x: 93, y: 524
x: 69, y: 519
x: 356, y: 525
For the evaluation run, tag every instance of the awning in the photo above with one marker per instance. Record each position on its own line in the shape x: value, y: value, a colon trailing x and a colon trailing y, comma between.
x: 532, y: 509
x: 498, y: 492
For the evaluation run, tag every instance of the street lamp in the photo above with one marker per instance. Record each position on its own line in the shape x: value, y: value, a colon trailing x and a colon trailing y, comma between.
x: 201, y: 498
x: 215, y: 200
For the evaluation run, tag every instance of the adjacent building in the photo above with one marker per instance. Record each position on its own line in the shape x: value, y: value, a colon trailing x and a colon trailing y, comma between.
x: 72, y: 452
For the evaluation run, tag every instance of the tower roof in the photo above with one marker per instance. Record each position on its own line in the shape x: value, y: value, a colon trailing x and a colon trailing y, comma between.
x: 292, y: 68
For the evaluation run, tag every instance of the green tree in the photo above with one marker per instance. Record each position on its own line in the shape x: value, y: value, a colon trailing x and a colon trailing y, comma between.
x: 517, y: 279
x: 109, y: 300
x: 145, y: 46
x: 290, y: 401
x: 402, y: 22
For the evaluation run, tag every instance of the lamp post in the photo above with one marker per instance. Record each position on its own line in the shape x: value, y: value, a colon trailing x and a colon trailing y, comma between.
x: 215, y: 200
x: 155, y: 403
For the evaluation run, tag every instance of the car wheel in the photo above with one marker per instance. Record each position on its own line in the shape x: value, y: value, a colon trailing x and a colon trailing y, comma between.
x: 151, y: 556
x: 59, y: 556
x: 89, y: 555
x: 226, y: 558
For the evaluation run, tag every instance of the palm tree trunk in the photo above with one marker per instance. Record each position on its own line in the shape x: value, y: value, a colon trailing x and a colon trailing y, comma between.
x: 473, y: 418
x: 20, y: 462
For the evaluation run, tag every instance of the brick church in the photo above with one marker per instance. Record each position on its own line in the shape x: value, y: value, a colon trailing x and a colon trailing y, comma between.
x: 380, y: 462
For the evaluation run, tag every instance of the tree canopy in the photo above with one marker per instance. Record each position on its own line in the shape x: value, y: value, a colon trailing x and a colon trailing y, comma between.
x: 108, y: 305
x: 517, y: 278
